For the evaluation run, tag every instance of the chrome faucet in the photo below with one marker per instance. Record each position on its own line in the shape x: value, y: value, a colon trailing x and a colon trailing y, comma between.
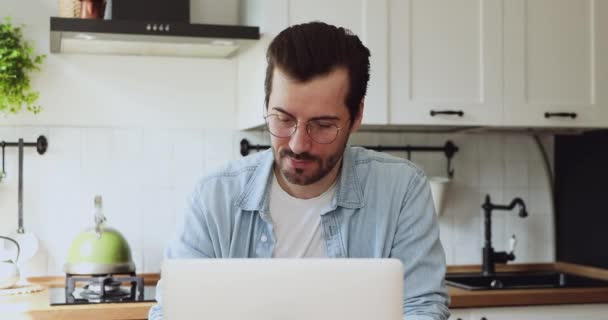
x: 489, y: 256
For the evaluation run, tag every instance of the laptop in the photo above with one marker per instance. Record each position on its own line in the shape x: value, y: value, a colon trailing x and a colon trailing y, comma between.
x: 279, y: 289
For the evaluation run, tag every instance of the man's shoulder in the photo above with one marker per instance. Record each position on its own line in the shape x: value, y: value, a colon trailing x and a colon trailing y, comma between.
x: 233, y: 174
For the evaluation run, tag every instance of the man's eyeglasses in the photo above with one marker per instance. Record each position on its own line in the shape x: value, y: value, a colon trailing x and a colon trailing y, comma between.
x: 319, y: 130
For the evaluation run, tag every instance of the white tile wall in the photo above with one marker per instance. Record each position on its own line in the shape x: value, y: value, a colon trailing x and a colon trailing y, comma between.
x: 145, y: 176
x: 504, y: 166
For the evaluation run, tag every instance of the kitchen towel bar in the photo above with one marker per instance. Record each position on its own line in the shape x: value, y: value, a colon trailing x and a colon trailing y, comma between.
x: 449, y: 149
x: 41, y: 145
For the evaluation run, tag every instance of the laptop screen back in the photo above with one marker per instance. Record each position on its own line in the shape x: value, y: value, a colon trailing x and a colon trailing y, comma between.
x: 294, y: 289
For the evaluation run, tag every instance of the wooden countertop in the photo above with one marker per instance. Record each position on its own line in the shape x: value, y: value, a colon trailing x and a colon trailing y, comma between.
x: 36, y: 306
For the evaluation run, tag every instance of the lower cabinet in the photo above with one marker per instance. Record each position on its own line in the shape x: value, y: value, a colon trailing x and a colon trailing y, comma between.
x: 561, y: 312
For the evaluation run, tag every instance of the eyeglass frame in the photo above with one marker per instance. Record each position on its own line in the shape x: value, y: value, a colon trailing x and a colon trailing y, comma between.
x: 297, y: 124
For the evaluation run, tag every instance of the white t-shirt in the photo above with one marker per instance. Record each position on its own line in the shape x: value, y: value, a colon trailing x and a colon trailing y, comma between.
x: 297, y: 223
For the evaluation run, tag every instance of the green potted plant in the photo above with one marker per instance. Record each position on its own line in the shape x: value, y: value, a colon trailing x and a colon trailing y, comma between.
x: 17, y: 59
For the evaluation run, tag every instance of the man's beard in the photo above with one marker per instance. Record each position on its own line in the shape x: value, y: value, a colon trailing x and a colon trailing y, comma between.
x: 297, y: 175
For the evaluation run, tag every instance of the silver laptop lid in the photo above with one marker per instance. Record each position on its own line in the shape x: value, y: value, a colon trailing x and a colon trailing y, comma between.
x: 295, y: 289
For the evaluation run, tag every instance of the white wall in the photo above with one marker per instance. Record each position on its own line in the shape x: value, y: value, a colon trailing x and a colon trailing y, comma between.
x: 141, y: 130
x: 145, y: 175
x: 113, y: 91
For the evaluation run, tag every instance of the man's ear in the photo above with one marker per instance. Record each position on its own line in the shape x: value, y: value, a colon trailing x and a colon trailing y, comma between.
x: 357, y: 121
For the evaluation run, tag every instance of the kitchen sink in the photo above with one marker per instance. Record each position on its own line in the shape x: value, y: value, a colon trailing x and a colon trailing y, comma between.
x: 521, y: 280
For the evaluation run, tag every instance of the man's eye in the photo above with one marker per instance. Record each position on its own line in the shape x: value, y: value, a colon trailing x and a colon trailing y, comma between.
x: 325, y: 124
x: 285, y: 119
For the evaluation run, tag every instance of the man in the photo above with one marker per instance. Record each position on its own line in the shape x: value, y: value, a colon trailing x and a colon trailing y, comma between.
x: 311, y: 195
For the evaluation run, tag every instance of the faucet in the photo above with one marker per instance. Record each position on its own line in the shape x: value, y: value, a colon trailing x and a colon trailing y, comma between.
x: 489, y: 256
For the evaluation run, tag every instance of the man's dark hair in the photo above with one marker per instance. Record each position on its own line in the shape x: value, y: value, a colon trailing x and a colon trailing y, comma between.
x: 314, y: 49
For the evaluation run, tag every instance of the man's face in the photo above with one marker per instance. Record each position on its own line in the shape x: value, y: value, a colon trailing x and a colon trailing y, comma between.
x: 300, y: 159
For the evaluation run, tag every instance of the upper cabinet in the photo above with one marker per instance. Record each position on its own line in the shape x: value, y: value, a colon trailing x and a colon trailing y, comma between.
x: 365, y: 18
x: 494, y: 63
x: 556, y: 63
x: 445, y: 62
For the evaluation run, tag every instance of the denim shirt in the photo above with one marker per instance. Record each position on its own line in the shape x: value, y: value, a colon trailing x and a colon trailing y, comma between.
x: 382, y: 208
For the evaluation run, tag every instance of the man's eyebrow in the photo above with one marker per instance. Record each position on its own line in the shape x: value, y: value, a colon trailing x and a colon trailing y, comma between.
x: 327, y: 117
x: 281, y: 110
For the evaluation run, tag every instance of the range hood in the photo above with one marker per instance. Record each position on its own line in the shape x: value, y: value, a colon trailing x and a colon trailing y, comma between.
x: 149, y: 36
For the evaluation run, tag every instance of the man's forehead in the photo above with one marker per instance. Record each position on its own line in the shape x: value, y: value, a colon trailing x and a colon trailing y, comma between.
x: 337, y: 71
x: 322, y: 96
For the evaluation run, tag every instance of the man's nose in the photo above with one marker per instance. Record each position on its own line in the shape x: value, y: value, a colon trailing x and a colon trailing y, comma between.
x: 300, y: 141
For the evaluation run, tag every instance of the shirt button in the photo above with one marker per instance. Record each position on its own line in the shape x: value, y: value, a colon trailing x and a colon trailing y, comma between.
x: 264, y: 238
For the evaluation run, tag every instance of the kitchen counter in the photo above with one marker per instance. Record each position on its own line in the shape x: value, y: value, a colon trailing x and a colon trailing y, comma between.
x: 527, y: 297
x: 36, y: 306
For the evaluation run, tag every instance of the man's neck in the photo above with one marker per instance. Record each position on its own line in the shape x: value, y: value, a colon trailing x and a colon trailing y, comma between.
x: 312, y: 190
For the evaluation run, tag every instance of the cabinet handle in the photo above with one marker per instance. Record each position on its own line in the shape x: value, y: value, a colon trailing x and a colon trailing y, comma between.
x: 447, y: 112
x: 561, y: 114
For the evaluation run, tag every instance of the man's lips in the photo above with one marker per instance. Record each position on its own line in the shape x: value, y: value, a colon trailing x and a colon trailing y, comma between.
x: 299, y: 163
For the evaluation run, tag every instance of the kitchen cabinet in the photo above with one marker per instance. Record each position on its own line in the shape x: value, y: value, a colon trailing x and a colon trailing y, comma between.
x: 445, y: 56
x: 365, y: 18
x: 495, y: 63
x: 556, y: 63
x: 561, y: 312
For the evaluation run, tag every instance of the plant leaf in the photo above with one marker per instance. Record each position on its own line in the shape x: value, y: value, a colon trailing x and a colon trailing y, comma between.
x: 17, y: 59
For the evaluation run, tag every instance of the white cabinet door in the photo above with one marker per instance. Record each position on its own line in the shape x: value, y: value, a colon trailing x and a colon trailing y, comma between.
x: 445, y: 55
x: 556, y: 63
x: 562, y: 312
x: 368, y: 20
